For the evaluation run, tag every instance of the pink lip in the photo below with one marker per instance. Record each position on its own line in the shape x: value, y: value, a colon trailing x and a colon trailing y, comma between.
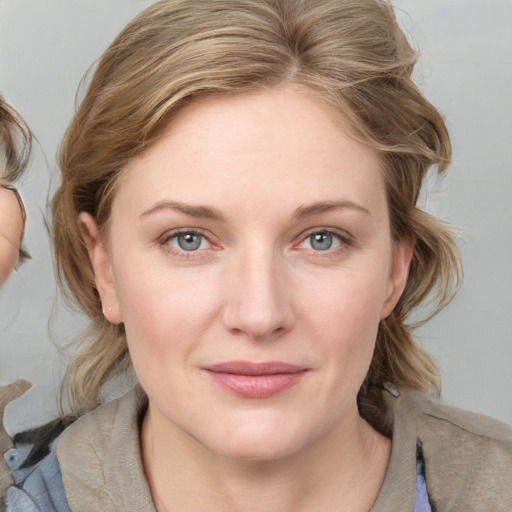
x: 256, y: 380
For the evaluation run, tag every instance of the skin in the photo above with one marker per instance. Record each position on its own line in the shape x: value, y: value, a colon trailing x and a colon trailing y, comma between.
x: 11, y: 228
x: 276, y: 167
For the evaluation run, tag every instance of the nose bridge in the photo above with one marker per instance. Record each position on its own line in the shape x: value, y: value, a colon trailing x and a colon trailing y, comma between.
x: 259, y: 300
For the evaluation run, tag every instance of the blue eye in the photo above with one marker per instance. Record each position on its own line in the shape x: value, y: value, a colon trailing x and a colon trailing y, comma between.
x: 322, y: 241
x: 188, y: 241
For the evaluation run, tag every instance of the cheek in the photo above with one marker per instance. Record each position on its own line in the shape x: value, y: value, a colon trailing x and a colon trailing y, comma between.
x: 351, y: 299
x: 163, y: 311
x: 344, y: 318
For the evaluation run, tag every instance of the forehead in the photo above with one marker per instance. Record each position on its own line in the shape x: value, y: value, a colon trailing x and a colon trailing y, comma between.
x: 270, y: 145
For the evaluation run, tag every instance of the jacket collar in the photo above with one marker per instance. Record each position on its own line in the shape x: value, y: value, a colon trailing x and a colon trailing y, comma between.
x: 100, y: 458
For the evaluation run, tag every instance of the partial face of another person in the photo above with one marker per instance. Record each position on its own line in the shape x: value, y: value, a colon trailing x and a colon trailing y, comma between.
x: 11, y: 229
x: 249, y: 256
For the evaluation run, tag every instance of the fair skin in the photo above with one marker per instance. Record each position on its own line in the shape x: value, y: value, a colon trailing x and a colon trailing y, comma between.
x: 11, y: 228
x: 254, y: 231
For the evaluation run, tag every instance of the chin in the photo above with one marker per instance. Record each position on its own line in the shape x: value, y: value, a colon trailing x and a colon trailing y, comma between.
x: 256, y: 442
x: 258, y: 450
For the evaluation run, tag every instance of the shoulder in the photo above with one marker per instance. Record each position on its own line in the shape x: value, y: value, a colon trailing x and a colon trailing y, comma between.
x: 468, y: 456
x: 459, y: 419
x: 29, y: 472
x: 7, y: 394
x: 100, y: 458
x: 101, y: 426
x: 36, y: 487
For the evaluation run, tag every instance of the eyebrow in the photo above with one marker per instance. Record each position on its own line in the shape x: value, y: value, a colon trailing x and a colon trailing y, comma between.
x: 208, y: 212
x: 205, y: 212
x: 327, y: 206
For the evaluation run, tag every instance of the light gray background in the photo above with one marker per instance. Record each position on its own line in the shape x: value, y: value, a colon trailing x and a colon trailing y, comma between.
x: 465, y: 70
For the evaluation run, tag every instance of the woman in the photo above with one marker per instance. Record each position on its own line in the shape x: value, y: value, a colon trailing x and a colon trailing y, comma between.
x: 15, y: 141
x: 15, y: 144
x: 238, y: 218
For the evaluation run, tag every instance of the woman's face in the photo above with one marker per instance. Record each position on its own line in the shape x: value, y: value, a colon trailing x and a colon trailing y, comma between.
x: 250, y: 260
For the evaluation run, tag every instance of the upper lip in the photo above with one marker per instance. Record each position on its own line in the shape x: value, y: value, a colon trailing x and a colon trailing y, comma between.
x: 250, y: 368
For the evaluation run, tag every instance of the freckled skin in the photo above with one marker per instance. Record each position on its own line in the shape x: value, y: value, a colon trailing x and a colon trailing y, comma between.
x: 256, y: 288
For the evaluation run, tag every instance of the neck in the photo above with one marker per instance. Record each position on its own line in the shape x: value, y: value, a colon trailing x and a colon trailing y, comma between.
x: 343, y: 470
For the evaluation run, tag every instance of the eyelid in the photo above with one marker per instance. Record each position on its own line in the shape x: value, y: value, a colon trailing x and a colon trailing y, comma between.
x: 172, y: 233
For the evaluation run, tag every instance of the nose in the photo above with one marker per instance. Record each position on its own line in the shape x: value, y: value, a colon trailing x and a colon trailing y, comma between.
x: 259, y: 295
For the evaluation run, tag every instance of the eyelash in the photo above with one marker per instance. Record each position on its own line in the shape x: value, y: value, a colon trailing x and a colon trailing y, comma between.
x: 344, y: 239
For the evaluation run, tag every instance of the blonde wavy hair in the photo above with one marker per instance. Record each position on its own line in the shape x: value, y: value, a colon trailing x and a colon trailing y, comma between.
x: 350, y: 53
x: 15, y: 148
x: 15, y: 142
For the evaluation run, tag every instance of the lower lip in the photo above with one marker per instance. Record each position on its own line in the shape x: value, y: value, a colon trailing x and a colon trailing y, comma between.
x: 257, y: 386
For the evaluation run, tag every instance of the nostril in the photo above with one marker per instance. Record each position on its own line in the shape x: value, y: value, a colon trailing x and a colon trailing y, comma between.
x: 258, y: 329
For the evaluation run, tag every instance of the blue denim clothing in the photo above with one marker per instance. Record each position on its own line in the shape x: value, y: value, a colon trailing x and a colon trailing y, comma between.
x: 37, y: 488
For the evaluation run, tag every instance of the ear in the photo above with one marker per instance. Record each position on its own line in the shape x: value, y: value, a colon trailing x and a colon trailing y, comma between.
x: 399, y: 271
x: 100, y: 261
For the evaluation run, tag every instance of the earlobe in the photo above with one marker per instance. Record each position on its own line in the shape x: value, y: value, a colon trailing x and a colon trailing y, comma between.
x: 103, y: 275
x: 402, y: 257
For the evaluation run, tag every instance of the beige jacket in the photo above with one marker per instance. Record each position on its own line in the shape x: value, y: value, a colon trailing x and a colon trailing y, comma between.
x: 468, y: 458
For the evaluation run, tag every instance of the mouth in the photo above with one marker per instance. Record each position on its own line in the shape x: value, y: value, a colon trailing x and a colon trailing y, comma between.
x: 255, y: 380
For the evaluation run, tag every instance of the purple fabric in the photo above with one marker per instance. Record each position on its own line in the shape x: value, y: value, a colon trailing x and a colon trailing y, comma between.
x: 422, y: 503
